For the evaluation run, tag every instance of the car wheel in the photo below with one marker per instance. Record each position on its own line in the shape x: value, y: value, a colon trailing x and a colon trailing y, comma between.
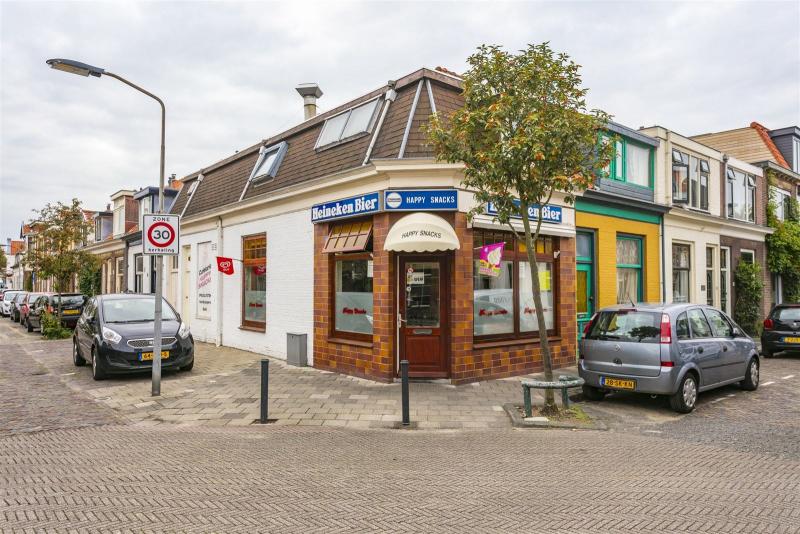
x: 750, y: 382
x: 593, y: 394
x: 77, y: 359
x: 685, y: 399
x: 97, y: 373
x: 188, y: 367
x: 28, y: 325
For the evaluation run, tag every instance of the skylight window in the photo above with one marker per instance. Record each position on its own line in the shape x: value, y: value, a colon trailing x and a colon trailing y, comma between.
x: 269, y: 159
x: 347, y: 125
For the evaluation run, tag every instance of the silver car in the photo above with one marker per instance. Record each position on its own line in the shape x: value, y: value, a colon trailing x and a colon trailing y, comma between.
x: 678, y: 350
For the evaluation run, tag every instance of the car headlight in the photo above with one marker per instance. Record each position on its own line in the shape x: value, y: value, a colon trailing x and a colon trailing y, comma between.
x: 183, y: 331
x: 110, y: 335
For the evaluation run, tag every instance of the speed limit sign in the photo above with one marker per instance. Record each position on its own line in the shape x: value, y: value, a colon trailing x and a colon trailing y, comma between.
x: 161, y: 234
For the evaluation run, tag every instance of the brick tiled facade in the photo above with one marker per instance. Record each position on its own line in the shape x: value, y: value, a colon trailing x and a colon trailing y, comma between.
x: 468, y: 361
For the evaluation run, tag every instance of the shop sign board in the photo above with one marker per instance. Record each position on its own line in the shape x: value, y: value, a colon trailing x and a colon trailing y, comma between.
x: 204, y: 279
x: 420, y: 200
x: 550, y: 214
x: 346, y: 207
x: 160, y: 234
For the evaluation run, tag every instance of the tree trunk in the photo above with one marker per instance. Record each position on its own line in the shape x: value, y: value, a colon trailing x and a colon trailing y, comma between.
x: 531, y: 238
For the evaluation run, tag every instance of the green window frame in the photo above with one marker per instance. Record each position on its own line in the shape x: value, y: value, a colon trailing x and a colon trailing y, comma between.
x: 617, y: 169
x: 628, y: 267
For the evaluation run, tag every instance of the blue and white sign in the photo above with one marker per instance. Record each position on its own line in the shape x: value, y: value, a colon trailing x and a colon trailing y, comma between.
x: 347, y: 207
x: 550, y: 214
x: 421, y: 200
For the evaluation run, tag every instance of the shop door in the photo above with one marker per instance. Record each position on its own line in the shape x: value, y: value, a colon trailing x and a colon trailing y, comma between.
x: 584, y: 299
x: 423, y: 315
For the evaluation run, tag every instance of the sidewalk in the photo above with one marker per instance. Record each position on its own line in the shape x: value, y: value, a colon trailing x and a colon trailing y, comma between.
x: 229, y: 396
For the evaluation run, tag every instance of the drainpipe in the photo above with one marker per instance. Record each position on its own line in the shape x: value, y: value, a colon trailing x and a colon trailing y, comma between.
x: 219, y: 283
x: 663, y: 263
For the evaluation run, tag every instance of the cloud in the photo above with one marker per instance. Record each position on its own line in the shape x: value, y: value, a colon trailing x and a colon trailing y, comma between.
x: 227, y: 73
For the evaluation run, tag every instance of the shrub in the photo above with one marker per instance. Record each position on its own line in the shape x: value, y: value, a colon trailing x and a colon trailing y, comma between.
x: 749, y: 286
x: 52, y: 328
x: 89, y: 277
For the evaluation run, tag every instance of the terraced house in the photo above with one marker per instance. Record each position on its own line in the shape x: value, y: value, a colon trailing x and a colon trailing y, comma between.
x: 345, y: 231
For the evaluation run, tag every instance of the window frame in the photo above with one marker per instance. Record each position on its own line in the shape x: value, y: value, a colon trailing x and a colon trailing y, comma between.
x: 247, y: 324
x: 374, y: 101
x: 639, y: 267
x: 779, y: 197
x: 621, y: 159
x: 333, y: 331
x: 687, y: 269
x: 711, y: 271
x: 698, y: 171
x: 260, y: 176
x: 750, y: 184
x: 517, y: 257
x: 751, y: 252
x: 699, y: 310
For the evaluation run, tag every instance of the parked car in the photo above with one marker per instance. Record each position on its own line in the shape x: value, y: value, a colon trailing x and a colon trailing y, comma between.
x: 5, y: 303
x: 115, y: 334
x: 25, y: 307
x: 677, y: 350
x: 781, y: 330
x: 16, y: 302
x: 71, y: 308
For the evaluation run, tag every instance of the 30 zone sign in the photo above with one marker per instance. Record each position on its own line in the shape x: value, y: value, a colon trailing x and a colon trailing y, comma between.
x: 161, y: 234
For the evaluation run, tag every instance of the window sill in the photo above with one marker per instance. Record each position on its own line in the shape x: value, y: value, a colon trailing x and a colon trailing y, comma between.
x: 261, y: 329
x: 344, y: 341
x: 511, y: 342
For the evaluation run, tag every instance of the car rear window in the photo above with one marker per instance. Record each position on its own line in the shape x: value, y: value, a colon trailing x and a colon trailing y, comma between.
x: 68, y: 300
x: 788, y: 314
x: 630, y: 326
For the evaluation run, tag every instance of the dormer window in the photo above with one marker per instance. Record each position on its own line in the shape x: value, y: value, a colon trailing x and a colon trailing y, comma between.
x: 348, y: 125
x: 269, y: 159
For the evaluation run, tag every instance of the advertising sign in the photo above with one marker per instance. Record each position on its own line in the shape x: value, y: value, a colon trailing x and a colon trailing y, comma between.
x: 550, y: 214
x: 225, y: 265
x: 204, y: 276
x: 347, y: 207
x: 160, y: 234
x: 490, y: 258
x: 421, y: 200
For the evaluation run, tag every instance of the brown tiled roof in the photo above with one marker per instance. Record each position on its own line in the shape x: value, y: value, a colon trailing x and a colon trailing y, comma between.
x: 764, y: 134
x: 224, y: 181
x: 17, y: 247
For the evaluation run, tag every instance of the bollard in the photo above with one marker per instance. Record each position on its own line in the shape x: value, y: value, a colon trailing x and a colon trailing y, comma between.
x: 264, y: 391
x: 404, y: 389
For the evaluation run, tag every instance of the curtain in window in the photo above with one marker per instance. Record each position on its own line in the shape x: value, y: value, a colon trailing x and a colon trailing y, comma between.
x: 637, y: 161
x: 627, y: 285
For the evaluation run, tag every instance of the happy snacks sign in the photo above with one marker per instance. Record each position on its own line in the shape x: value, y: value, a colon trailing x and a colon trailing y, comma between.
x: 490, y: 258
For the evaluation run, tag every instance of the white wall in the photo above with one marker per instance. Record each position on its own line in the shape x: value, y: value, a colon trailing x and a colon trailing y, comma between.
x: 698, y: 236
x: 202, y: 329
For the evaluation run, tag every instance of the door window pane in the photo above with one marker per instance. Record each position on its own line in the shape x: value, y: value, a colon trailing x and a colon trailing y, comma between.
x: 584, y: 245
x: 353, y: 296
x: 422, y: 294
x: 697, y: 320
x: 682, y: 327
x: 493, y: 301
x: 527, y: 309
x: 720, y: 327
x: 582, y: 305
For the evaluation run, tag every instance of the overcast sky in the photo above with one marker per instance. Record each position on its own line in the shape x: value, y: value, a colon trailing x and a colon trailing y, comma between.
x: 227, y: 73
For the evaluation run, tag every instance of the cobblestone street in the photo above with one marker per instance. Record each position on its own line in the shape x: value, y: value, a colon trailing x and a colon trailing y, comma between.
x: 71, y: 460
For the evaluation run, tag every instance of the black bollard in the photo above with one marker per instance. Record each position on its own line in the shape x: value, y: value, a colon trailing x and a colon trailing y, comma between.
x: 264, y: 391
x: 404, y: 388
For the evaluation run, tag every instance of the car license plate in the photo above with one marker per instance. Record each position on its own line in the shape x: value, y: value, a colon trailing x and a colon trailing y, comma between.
x: 71, y: 312
x: 617, y: 383
x: 148, y: 356
x: 791, y: 340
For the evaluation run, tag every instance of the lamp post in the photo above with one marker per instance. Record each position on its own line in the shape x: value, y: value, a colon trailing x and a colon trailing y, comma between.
x: 83, y: 69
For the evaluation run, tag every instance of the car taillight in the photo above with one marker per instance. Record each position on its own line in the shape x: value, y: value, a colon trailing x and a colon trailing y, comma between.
x: 666, y: 329
x: 667, y: 364
x: 588, y: 326
x: 768, y: 324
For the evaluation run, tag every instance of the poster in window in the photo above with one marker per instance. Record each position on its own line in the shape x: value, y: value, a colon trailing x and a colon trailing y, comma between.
x: 204, y: 281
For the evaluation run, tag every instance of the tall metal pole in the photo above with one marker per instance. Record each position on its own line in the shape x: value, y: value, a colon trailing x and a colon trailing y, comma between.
x: 156, y: 386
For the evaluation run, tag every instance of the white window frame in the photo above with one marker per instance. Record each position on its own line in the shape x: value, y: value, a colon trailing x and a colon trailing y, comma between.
x: 375, y: 101
x: 795, y: 154
x: 778, y: 195
x: 744, y: 251
x: 703, y: 171
x: 727, y: 271
x: 749, y: 185
x: 713, y: 269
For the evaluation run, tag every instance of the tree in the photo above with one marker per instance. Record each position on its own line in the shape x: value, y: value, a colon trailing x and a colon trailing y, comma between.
x: 3, y: 262
x: 524, y: 132
x: 89, y: 276
x: 749, y: 287
x: 60, y: 231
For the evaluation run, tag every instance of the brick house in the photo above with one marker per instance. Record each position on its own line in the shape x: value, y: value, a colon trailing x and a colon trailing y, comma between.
x: 345, y: 229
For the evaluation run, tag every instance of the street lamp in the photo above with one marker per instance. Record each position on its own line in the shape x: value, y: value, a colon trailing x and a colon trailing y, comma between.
x: 84, y: 69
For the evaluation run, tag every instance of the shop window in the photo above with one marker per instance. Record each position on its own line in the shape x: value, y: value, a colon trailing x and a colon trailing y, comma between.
x: 503, y: 306
x: 348, y: 125
x: 741, y: 195
x: 629, y: 269
x: 690, y: 180
x: 681, y: 272
x: 254, y: 281
x: 353, y: 300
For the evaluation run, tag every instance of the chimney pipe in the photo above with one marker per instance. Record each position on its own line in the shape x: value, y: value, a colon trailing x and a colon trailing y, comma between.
x: 310, y: 93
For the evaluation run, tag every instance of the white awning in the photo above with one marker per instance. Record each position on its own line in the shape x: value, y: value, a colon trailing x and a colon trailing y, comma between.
x: 421, y: 232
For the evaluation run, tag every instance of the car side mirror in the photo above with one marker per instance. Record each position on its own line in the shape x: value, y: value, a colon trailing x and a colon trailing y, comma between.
x: 736, y: 333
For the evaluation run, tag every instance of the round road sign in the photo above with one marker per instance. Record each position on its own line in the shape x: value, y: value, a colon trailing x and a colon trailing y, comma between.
x: 161, y: 234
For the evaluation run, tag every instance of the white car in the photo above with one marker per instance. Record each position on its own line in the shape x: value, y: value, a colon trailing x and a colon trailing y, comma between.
x: 5, y: 303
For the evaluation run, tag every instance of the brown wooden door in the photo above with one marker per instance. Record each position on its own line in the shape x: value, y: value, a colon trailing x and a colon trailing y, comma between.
x: 423, y: 295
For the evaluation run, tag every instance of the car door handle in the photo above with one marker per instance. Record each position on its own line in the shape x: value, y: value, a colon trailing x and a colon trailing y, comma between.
x: 700, y: 350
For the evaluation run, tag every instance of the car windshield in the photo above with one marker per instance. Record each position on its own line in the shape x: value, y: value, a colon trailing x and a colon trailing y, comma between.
x: 624, y: 325
x: 20, y: 297
x: 788, y: 314
x: 134, y: 310
x: 68, y: 300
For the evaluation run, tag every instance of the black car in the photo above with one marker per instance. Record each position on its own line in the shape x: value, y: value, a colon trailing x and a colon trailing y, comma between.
x: 115, y: 334
x: 71, y: 308
x: 781, y: 330
x: 16, y: 302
